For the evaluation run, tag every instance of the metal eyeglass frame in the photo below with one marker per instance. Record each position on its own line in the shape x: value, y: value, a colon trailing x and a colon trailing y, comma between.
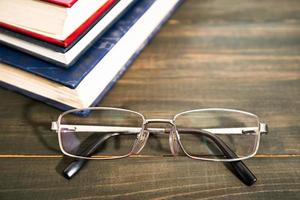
x: 174, y: 138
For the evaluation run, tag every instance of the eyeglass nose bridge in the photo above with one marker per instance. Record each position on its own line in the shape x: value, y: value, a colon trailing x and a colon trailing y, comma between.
x: 167, y: 121
x: 144, y: 134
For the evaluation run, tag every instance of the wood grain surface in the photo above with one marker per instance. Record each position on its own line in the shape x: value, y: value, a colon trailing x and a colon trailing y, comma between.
x: 212, y: 53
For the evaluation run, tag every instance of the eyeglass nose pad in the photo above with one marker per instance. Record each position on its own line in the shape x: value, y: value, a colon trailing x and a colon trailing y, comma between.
x: 140, y: 142
x: 173, y: 142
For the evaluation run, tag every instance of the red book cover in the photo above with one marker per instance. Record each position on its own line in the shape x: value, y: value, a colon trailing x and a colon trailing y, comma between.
x: 65, y: 3
x: 72, y: 36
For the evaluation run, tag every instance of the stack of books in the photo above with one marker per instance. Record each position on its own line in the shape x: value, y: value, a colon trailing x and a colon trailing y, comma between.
x: 69, y: 53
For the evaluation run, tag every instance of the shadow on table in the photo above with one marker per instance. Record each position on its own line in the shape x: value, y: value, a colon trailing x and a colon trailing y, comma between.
x: 39, y: 117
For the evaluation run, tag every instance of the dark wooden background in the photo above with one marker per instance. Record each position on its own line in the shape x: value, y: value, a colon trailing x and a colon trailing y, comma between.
x: 224, y: 53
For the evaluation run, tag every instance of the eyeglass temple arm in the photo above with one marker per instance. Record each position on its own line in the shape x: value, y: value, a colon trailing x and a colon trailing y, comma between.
x: 75, y: 166
x: 239, y: 167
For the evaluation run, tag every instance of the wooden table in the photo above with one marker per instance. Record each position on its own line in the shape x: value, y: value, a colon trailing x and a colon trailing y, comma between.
x: 227, y: 53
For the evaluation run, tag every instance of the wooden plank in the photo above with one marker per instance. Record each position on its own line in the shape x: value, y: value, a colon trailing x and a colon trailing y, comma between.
x: 152, y: 178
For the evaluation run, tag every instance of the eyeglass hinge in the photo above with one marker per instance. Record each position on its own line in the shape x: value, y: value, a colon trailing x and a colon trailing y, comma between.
x: 54, y: 126
x: 263, y: 128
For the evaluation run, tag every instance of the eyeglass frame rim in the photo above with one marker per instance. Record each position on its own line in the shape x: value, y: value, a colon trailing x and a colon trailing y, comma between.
x: 170, y: 121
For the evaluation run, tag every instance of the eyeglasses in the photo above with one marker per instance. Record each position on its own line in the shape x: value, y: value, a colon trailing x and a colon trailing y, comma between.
x: 213, y: 134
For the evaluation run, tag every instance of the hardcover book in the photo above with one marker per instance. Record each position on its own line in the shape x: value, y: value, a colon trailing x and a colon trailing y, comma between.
x: 96, y: 71
x: 60, y: 56
x: 51, y: 22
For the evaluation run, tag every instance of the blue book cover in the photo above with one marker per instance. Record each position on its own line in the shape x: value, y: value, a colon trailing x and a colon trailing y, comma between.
x: 72, y: 77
